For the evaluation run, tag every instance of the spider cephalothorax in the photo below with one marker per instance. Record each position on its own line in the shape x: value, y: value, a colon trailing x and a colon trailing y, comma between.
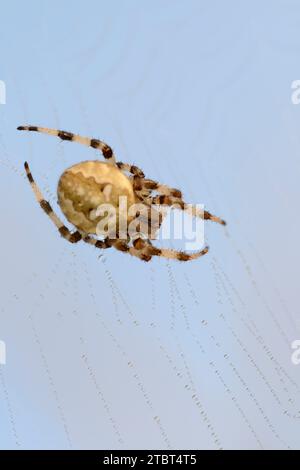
x: 87, y: 186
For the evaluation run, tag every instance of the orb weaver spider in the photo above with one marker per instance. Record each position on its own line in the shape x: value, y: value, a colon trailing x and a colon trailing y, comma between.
x: 83, y: 187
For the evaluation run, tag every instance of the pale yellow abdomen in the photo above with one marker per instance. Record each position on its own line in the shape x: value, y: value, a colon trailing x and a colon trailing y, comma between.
x: 84, y: 187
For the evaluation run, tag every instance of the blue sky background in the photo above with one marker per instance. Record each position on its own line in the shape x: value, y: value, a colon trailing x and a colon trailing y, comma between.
x: 110, y: 352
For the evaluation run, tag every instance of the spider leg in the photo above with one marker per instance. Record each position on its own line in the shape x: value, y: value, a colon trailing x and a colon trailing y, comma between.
x: 134, y: 170
x: 143, y: 191
x: 189, y: 208
x: 72, y: 237
x: 143, y: 249
x: 94, y: 143
x: 152, y: 250
x: 120, y: 245
x: 197, y: 212
x: 162, y: 189
x: 102, y: 244
x: 146, y: 185
x: 169, y: 196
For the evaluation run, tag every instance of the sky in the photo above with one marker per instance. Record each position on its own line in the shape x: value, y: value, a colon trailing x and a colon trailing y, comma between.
x: 104, y: 351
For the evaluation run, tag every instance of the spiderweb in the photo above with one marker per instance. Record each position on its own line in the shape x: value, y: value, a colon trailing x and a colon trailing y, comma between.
x: 104, y: 351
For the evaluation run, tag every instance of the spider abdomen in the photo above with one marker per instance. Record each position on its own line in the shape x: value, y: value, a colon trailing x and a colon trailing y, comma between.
x: 84, y: 187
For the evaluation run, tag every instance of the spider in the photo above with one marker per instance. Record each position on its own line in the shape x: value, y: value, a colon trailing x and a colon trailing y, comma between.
x: 86, y: 185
